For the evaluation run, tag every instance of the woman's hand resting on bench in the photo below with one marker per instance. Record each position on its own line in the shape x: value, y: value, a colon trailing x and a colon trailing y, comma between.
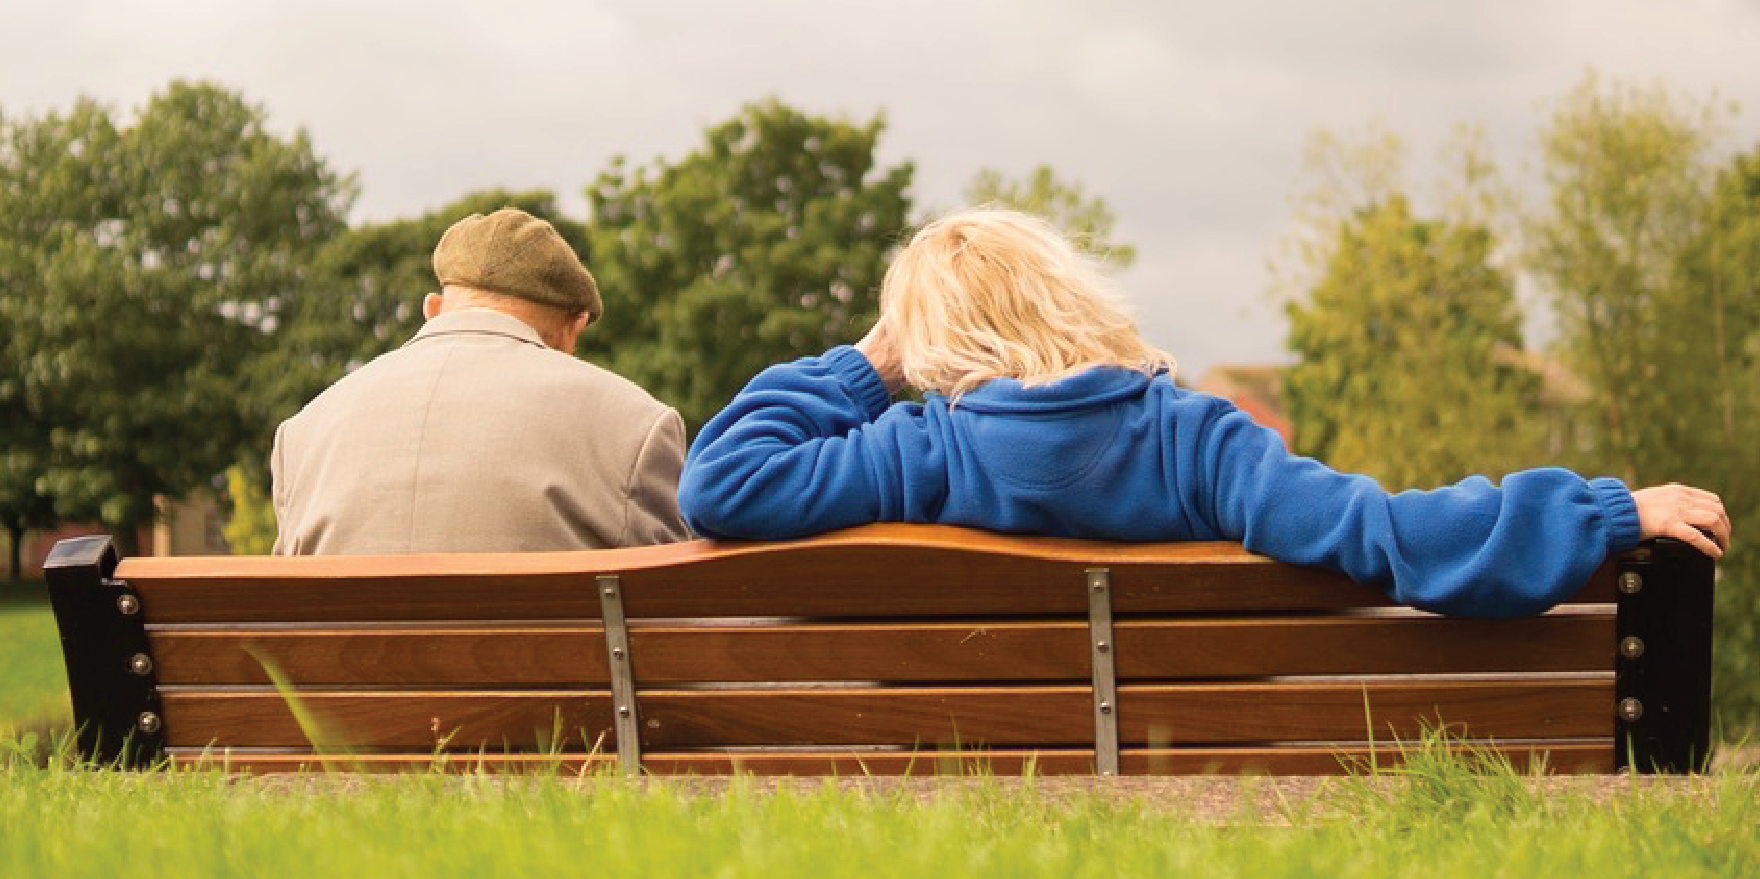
x: 1684, y: 513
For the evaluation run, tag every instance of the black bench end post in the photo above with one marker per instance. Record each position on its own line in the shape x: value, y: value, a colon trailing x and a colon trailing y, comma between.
x: 1662, y: 680
x: 104, y: 644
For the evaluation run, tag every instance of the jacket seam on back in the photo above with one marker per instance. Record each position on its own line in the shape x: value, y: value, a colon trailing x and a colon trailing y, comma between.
x: 629, y: 478
x: 415, y: 470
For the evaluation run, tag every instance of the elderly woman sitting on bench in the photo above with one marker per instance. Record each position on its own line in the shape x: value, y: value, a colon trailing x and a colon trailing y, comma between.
x: 1045, y: 412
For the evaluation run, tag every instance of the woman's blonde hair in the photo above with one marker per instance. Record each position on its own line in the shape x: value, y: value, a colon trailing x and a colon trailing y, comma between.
x: 990, y: 293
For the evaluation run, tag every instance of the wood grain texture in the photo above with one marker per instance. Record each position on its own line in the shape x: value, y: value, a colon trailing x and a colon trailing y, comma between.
x: 1031, y: 716
x: 995, y: 650
x: 1050, y: 716
x: 876, y: 570
x: 1588, y: 756
x: 1382, y: 710
x: 408, y: 721
x: 548, y: 656
x: 1568, y: 641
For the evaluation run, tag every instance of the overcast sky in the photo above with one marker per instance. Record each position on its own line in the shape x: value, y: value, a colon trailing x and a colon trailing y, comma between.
x: 1187, y: 117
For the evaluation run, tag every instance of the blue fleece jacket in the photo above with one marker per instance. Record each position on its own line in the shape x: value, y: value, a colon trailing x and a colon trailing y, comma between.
x: 1109, y: 454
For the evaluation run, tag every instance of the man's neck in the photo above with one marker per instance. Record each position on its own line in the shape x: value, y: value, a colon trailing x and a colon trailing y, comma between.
x: 543, y: 319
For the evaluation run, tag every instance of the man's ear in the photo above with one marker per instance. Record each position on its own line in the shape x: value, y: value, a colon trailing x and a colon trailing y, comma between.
x: 572, y: 331
x: 431, y: 305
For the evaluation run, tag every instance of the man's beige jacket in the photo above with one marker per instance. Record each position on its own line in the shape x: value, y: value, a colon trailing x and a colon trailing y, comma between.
x: 477, y: 437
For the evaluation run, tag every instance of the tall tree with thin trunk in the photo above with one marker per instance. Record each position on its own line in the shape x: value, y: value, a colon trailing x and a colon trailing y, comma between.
x: 1628, y: 172
x: 1649, y: 246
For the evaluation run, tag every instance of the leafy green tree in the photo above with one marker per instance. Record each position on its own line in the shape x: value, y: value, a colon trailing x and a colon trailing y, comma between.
x: 1628, y: 172
x: 1730, y: 258
x: 250, y: 524
x: 1088, y: 220
x: 24, y: 505
x: 1719, y: 307
x: 47, y: 179
x: 1410, y: 340
x: 766, y: 243
x: 1405, y: 373
x: 1651, y: 256
x: 143, y: 268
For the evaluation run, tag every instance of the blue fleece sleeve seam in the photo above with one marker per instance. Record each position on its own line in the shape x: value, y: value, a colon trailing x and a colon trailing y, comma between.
x: 859, y: 377
x: 1620, y: 511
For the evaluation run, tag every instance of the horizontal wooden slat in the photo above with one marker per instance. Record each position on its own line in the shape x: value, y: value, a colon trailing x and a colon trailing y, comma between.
x: 1147, y: 714
x: 1208, y: 648
x: 924, y: 716
x: 1589, y: 756
x: 1218, y: 713
x: 877, y: 570
x: 423, y: 721
x: 491, y: 656
x: 1000, y: 651
x: 921, y: 716
x: 1348, y: 646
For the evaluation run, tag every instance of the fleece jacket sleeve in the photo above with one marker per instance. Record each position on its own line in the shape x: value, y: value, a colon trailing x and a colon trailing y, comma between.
x: 790, y: 455
x: 1473, y: 548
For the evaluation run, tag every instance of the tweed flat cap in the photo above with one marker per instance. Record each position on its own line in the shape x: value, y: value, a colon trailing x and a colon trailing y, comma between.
x: 514, y: 253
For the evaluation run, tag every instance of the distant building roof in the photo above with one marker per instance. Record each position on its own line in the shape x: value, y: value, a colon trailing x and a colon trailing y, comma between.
x: 1558, y: 385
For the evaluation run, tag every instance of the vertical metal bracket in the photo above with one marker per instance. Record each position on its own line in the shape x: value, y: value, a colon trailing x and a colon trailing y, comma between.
x: 1101, y: 650
x: 110, y: 675
x: 626, y: 715
x: 1662, y: 658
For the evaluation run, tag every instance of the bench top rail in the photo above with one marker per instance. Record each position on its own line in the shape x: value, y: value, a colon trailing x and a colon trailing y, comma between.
x: 872, y: 571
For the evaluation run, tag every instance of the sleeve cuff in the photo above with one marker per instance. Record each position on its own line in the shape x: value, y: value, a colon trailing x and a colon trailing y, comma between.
x: 1623, y: 530
x: 858, y: 375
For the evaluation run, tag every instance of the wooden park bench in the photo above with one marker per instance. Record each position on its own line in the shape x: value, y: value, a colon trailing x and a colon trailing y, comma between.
x: 885, y: 649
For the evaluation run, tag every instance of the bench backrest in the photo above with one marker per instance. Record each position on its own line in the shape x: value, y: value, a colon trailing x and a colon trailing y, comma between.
x: 882, y: 649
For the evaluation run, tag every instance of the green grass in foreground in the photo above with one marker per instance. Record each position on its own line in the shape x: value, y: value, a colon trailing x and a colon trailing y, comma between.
x: 1437, y: 820
x: 33, y: 681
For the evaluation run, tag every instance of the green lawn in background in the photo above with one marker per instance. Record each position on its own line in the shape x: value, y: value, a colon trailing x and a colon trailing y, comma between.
x: 33, y: 682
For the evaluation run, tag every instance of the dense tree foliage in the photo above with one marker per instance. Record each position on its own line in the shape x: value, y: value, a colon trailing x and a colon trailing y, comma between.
x: 766, y: 243
x: 142, y: 266
x: 1629, y: 198
x: 1405, y: 373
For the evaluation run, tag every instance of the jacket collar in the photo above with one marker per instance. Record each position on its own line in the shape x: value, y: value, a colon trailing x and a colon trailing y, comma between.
x: 478, y: 321
x: 1095, y: 387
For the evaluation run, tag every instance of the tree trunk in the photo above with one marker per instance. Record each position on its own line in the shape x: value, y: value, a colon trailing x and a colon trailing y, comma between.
x: 128, y: 539
x: 16, y: 532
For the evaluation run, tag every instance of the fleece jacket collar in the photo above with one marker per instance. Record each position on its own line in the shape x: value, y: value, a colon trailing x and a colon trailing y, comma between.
x: 1096, y: 387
